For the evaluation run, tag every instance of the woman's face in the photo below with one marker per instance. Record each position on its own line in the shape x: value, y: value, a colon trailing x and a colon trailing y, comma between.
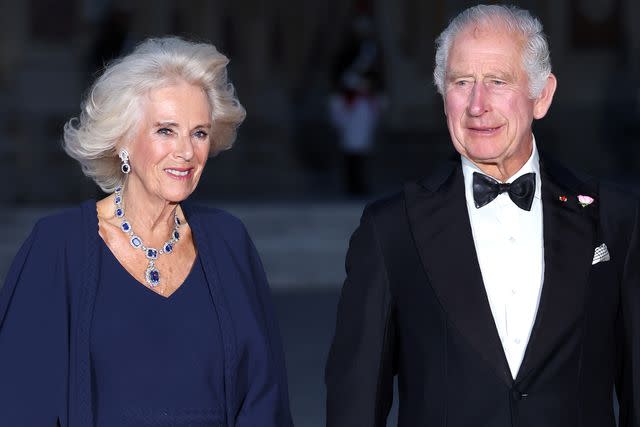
x: 171, y: 145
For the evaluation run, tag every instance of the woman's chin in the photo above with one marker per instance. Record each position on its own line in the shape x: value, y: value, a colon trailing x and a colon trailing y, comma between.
x: 175, y: 196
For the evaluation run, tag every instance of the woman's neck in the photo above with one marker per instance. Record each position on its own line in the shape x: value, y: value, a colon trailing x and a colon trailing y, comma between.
x: 151, y: 217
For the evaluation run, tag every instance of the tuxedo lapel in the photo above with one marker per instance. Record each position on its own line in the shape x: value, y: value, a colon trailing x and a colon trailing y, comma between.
x: 440, y: 224
x: 569, y: 232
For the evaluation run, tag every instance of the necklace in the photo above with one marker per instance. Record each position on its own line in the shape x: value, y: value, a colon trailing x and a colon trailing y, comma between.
x: 151, y: 274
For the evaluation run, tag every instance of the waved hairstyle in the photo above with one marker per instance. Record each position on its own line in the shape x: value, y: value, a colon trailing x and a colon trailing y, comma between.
x: 536, y: 59
x: 113, y: 106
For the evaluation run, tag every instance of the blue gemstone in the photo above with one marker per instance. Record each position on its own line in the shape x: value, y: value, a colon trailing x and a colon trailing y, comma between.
x: 176, y: 235
x: 126, y: 226
x: 136, y: 242
x: 118, y: 200
x: 118, y: 189
x: 168, y: 247
x: 152, y: 253
x: 177, y: 221
x: 119, y: 213
x: 154, y: 275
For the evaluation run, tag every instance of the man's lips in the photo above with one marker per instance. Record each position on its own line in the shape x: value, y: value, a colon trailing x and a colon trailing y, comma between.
x: 484, y: 129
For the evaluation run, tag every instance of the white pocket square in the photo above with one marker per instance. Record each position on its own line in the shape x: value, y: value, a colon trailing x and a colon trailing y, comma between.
x: 601, y: 254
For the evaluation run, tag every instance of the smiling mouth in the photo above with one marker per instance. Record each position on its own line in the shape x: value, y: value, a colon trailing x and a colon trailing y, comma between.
x: 178, y: 173
x: 486, y: 130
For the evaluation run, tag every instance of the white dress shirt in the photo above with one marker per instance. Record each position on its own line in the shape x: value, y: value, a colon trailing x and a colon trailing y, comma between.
x: 510, y: 250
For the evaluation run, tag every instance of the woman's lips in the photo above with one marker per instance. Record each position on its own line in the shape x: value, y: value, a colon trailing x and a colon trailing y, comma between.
x: 179, y: 173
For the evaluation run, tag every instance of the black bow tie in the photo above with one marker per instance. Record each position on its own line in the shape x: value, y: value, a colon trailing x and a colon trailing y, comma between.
x: 521, y: 191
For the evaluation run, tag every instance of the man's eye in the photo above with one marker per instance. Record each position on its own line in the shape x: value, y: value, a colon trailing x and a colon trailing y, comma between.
x: 498, y: 82
x: 165, y: 131
x: 462, y: 83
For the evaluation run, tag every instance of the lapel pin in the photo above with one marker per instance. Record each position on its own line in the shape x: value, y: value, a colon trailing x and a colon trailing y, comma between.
x: 562, y: 198
x: 585, y: 200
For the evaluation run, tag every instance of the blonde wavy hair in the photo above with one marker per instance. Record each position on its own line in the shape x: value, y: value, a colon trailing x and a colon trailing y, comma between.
x: 113, y: 105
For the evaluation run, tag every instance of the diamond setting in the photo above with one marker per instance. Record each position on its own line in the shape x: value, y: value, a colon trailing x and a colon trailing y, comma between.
x: 152, y: 253
x: 151, y: 274
x: 136, y: 242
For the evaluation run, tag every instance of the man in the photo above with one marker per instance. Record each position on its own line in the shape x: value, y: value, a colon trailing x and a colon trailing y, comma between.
x: 502, y: 290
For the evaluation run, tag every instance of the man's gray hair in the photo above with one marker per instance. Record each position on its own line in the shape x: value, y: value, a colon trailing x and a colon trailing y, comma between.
x: 113, y: 107
x: 536, y: 58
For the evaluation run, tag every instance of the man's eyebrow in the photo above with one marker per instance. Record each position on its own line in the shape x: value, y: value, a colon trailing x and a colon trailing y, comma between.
x: 501, y: 75
x: 451, y: 75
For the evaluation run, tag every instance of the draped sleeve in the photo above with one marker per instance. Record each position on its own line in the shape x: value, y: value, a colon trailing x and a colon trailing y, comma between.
x: 266, y: 398
x: 34, y: 334
x: 255, y: 370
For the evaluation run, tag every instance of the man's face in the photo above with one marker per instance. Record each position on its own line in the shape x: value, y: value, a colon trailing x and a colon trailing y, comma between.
x: 487, y: 104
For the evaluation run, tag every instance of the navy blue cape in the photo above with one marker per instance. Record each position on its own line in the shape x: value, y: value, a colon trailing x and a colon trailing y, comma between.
x: 46, y: 307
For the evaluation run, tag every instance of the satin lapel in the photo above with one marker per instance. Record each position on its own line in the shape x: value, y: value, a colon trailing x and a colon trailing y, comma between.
x: 569, y: 232
x: 440, y: 225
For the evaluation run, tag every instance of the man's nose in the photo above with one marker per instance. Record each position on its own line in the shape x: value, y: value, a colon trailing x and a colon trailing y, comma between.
x: 478, y: 100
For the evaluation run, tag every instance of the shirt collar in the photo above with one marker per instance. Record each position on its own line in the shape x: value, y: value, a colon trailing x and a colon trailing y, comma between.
x: 531, y: 165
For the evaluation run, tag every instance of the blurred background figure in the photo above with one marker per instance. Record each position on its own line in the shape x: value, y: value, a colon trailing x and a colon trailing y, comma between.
x: 357, y: 100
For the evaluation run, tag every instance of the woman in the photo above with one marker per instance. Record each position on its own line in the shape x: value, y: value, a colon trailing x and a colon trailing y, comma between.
x: 143, y: 309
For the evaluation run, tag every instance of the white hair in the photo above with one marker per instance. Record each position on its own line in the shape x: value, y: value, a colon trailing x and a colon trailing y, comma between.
x: 112, y: 108
x: 536, y: 59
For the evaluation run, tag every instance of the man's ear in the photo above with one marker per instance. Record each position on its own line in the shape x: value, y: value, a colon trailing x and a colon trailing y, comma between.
x: 542, y: 103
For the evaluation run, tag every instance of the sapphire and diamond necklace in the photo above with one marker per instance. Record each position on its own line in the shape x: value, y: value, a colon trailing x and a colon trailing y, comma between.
x: 151, y: 274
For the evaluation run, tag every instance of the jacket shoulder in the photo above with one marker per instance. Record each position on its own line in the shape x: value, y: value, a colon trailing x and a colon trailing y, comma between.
x: 58, y: 226
x: 211, y: 218
x: 385, y: 209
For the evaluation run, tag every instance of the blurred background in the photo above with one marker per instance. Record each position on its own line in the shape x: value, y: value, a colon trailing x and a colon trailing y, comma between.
x: 341, y: 109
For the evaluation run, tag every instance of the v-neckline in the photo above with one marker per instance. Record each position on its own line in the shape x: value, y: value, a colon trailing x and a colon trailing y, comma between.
x: 146, y: 287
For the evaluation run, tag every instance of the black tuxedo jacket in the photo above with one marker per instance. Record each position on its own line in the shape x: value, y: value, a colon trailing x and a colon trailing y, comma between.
x: 414, y: 305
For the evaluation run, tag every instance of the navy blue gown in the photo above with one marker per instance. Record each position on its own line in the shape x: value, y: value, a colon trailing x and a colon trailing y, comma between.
x: 155, y: 360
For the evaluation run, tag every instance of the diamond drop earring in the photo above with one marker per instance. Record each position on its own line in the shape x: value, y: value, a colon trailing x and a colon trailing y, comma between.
x: 124, y: 156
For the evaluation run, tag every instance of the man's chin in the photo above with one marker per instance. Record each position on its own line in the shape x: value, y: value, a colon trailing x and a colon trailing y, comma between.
x: 484, y: 158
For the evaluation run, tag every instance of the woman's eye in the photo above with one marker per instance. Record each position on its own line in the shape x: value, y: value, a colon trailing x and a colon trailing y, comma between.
x: 200, y: 134
x: 165, y: 131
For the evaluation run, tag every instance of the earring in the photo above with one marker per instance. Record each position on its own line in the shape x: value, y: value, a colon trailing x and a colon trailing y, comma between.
x: 124, y: 156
